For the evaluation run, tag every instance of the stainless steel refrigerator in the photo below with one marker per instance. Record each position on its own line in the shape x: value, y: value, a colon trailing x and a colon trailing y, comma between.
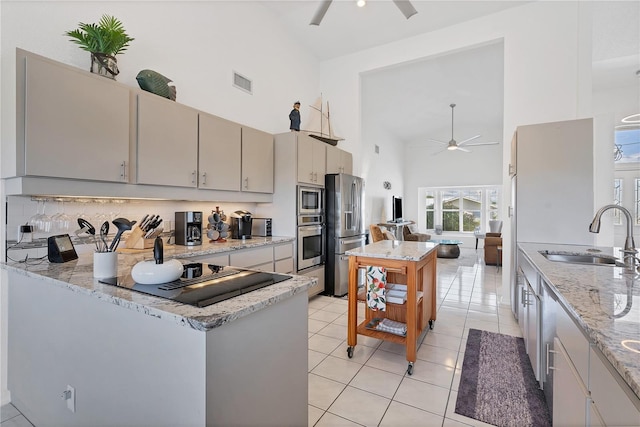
x: 345, y: 228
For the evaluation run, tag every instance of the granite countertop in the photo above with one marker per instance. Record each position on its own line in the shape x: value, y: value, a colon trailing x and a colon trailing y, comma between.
x: 77, y: 276
x: 395, y: 249
x: 591, y: 294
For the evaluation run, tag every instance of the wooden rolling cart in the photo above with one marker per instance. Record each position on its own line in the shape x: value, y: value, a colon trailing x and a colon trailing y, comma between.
x: 410, y: 263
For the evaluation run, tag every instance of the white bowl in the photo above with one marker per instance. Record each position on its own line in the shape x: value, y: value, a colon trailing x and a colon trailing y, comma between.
x: 150, y: 273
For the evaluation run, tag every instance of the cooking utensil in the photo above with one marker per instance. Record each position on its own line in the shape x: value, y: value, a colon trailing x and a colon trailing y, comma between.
x: 123, y: 225
x: 104, y: 231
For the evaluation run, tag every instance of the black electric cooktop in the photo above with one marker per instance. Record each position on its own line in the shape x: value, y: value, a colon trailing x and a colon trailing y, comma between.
x: 203, y: 284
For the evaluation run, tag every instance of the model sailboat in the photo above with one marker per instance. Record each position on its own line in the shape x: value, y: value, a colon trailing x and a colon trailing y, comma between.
x: 319, y: 125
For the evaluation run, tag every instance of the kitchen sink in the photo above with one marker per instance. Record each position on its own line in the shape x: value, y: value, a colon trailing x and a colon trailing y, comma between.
x: 581, y: 258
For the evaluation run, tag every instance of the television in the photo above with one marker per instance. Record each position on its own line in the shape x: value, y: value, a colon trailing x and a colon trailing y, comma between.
x: 396, y: 204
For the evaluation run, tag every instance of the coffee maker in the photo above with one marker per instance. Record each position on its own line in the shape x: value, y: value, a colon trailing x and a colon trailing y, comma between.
x: 241, y: 223
x: 188, y: 228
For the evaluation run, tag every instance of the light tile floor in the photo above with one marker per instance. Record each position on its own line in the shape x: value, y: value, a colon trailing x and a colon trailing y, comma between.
x: 372, y: 388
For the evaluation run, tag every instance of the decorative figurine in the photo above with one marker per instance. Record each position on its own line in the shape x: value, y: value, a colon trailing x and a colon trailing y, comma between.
x: 294, y: 117
x: 154, y: 82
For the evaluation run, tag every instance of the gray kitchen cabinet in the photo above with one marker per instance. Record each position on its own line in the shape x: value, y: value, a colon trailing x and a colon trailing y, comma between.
x: 339, y: 161
x: 312, y: 160
x: 167, y: 142
x: 71, y: 124
x: 570, y: 397
x: 613, y: 398
x: 257, y: 161
x: 219, y: 153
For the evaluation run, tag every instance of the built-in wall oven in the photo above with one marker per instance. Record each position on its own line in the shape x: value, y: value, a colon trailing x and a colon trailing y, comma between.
x: 310, y: 201
x: 311, y: 243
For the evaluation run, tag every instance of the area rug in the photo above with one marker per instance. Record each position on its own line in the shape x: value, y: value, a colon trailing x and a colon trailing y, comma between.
x: 497, y: 384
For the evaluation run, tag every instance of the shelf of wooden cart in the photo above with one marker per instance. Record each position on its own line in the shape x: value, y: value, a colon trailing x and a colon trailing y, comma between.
x: 387, y: 336
x: 397, y: 312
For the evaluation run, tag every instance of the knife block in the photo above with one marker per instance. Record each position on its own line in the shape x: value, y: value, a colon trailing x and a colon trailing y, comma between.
x: 144, y: 244
x: 135, y: 240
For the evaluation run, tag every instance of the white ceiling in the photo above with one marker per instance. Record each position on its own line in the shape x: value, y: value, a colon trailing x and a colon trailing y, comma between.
x: 417, y: 95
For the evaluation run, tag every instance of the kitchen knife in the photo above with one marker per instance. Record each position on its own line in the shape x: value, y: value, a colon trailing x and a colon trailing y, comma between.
x: 141, y: 223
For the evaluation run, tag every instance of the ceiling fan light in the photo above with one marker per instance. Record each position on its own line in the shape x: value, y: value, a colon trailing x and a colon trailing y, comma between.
x: 361, y: 3
x: 452, y: 147
x: 633, y: 118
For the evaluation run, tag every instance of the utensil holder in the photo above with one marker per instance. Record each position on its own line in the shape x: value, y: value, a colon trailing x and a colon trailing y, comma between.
x: 105, y: 265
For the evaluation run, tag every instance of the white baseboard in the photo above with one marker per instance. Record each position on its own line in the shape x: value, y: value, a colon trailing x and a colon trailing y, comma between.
x: 5, y: 397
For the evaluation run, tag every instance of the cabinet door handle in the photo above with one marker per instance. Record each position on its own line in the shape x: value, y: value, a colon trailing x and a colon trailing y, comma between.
x: 123, y: 170
x: 315, y: 177
x: 311, y: 176
x: 193, y: 177
x: 246, y: 183
x: 204, y: 178
x: 549, y: 351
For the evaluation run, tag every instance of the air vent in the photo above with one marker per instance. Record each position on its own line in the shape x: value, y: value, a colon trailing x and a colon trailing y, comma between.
x: 242, y: 83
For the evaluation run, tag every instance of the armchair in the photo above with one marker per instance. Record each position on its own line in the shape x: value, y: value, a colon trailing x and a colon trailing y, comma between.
x: 491, y: 243
x: 410, y: 234
x: 377, y: 234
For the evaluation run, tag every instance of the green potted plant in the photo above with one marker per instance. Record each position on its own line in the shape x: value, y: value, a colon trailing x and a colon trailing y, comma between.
x: 104, y: 40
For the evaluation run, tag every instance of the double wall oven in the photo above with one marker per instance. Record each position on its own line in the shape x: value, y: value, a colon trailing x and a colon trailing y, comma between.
x: 311, y: 227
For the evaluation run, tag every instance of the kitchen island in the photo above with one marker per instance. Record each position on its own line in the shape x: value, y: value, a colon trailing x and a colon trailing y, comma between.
x: 135, y: 359
x: 600, y: 336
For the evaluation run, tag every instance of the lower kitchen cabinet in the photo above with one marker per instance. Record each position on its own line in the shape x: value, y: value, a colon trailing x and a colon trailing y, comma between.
x: 318, y: 273
x: 570, y: 396
x: 278, y: 258
x: 613, y: 399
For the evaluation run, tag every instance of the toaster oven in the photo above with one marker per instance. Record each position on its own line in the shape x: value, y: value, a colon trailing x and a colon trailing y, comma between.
x: 261, y: 227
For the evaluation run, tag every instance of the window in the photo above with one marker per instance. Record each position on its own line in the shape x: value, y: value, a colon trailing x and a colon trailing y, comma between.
x: 637, y: 202
x: 460, y: 209
x: 617, y: 200
x: 430, y: 197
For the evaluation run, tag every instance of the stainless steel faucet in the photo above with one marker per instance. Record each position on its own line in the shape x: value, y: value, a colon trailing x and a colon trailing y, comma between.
x: 629, y: 245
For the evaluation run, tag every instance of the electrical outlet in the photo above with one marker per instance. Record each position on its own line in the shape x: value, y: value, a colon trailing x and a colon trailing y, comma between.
x: 71, y: 398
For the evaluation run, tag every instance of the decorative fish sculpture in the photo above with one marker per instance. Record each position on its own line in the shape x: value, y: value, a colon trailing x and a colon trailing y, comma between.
x: 154, y: 82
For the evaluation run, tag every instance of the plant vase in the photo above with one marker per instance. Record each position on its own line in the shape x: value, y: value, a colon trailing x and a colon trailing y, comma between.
x: 104, y: 65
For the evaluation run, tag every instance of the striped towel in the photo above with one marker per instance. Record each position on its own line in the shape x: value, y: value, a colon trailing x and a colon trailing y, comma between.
x: 393, y: 327
x: 376, y: 281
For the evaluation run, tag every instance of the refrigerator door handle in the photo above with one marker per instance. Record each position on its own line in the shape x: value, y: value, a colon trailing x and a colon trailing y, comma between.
x: 356, y: 240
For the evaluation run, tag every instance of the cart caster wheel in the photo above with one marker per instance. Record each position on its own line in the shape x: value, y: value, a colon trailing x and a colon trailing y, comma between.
x: 410, y: 368
x: 350, y: 352
x: 430, y: 324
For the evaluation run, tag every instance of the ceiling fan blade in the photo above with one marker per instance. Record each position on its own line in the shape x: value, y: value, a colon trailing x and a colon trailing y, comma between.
x: 468, y: 139
x: 439, y: 142
x: 439, y: 151
x: 406, y: 8
x: 463, y: 149
x: 322, y: 9
x: 483, y: 143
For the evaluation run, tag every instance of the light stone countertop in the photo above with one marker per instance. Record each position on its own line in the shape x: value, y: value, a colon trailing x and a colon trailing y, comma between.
x: 395, y: 249
x: 77, y: 276
x: 589, y: 294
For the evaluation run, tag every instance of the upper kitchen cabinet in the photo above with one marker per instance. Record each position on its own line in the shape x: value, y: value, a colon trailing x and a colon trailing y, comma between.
x: 220, y: 154
x: 167, y: 142
x: 339, y: 161
x: 70, y: 123
x: 312, y: 160
x: 257, y: 161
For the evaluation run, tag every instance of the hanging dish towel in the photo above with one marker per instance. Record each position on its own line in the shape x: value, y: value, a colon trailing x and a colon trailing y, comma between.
x: 376, y: 282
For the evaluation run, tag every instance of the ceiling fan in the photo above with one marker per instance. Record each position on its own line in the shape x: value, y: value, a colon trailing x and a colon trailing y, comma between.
x: 405, y: 7
x: 454, y: 145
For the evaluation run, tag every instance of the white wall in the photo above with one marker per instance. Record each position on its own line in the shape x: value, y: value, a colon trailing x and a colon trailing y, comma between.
x: 544, y: 73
